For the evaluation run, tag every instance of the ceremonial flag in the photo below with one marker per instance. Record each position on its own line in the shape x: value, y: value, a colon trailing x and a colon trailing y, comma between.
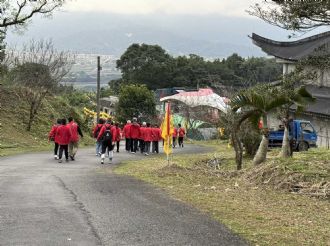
x: 167, y: 130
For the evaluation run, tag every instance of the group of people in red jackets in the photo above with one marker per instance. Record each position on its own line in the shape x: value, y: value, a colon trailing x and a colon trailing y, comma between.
x: 138, y: 137
x: 144, y: 138
x: 65, y: 137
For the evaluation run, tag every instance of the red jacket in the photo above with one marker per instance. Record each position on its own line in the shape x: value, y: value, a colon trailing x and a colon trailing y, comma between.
x: 118, y: 134
x: 147, y: 134
x: 74, y: 131
x: 52, y: 133
x: 97, y: 130
x: 127, y: 130
x: 135, y: 131
x: 63, y: 135
x: 156, y: 134
x: 175, y: 133
x: 182, y: 132
x: 142, y: 132
x: 112, y: 129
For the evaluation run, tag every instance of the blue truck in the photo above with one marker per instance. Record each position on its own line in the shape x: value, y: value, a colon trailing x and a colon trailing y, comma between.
x: 302, y: 136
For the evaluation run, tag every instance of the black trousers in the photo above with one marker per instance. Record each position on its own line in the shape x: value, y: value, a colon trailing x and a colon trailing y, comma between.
x: 155, y: 146
x: 142, y: 145
x: 118, y: 144
x: 66, y: 152
x: 146, y: 148
x: 56, y: 148
x: 181, y: 141
x: 128, y: 144
x: 134, y: 144
x: 174, y: 141
x: 107, y: 145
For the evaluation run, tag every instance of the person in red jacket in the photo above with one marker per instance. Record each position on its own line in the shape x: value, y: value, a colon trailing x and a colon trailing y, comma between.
x: 75, y: 132
x: 108, y: 136
x: 181, y: 133
x: 52, y: 137
x: 118, y: 136
x: 135, y: 134
x: 127, y: 135
x: 141, y: 137
x: 96, y: 132
x: 175, y: 136
x: 147, y: 138
x: 63, y: 137
x: 156, y: 137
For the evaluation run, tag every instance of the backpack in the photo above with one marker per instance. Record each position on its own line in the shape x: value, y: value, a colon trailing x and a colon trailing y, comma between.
x: 96, y: 134
x: 107, y: 136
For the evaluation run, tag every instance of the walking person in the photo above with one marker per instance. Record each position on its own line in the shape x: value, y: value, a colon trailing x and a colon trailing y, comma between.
x: 135, y: 134
x: 63, y: 136
x: 156, y: 137
x: 118, y: 136
x: 147, y: 138
x: 96, y: 132
x: 175, y: 136
x: 107, y: 136
x: 141, y: 137
x: 52, y: 137
x: 75, y: 132
x: 127, y: 135
x: 181, y: 133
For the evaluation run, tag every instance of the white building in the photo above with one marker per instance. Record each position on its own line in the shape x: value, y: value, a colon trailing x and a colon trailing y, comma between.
x: 288, y: 54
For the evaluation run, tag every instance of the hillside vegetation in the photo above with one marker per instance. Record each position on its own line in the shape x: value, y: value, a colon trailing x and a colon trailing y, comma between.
x: 14, y: 114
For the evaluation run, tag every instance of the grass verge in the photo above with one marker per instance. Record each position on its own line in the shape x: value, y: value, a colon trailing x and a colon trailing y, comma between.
x: 258, y: 211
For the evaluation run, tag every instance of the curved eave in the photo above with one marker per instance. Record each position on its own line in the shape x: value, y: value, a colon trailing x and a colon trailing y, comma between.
x: 292, y: 51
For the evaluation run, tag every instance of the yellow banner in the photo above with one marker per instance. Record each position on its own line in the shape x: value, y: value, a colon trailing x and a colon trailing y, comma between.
x: 167, y: 130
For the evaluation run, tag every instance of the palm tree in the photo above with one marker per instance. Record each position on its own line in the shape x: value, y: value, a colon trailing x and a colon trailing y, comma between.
x: 257, y: 102
x: 296, y: 96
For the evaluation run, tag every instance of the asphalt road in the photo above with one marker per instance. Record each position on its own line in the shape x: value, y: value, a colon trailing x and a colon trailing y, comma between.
x: 82, y: 203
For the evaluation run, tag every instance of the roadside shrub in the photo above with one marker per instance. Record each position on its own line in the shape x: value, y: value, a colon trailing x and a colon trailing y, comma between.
x: 250, y: 138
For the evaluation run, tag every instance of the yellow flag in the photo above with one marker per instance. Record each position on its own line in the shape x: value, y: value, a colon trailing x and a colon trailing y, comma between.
x: 167, y: 130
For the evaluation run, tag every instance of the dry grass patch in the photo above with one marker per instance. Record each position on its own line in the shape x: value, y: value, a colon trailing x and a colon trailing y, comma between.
x: 256, y: 211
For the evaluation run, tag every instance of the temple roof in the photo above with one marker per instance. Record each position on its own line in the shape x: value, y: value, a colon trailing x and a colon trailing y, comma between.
x: 321, y: 106
x: 296, y: 50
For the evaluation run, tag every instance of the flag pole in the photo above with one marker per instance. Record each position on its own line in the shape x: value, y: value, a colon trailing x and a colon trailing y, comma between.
x: 168, y: 154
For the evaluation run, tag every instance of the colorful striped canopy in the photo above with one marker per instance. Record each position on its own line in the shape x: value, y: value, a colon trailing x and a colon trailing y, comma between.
x: 202, y: 97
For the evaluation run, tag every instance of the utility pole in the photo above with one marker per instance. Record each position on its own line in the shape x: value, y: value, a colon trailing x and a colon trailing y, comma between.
x: 99, y: 68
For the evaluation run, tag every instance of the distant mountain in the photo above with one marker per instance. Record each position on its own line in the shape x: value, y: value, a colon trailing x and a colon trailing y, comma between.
x: 110, y: 34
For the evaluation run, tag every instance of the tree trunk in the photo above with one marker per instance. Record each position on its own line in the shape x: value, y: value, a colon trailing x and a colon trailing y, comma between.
x: 285, y: 151
x: 31, y: 116
x: 34, y: 108
x: 261, y: 154
x: 238, y: 150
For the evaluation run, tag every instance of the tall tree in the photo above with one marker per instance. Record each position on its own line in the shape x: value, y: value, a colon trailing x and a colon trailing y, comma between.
x: 256, y: 103
x: 37, y: 71
x: 136, y: 100
x: 18, y: 13
x: 145, y: 64
x: 296, y: 15
x: 296, y: 95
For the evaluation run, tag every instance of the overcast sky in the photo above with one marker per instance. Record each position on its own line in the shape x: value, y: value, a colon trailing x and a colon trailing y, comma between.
x: 181, y: 26
x: 194, y: 7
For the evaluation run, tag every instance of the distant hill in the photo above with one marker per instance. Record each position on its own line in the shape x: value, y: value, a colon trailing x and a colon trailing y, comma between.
x: 110, y: 34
